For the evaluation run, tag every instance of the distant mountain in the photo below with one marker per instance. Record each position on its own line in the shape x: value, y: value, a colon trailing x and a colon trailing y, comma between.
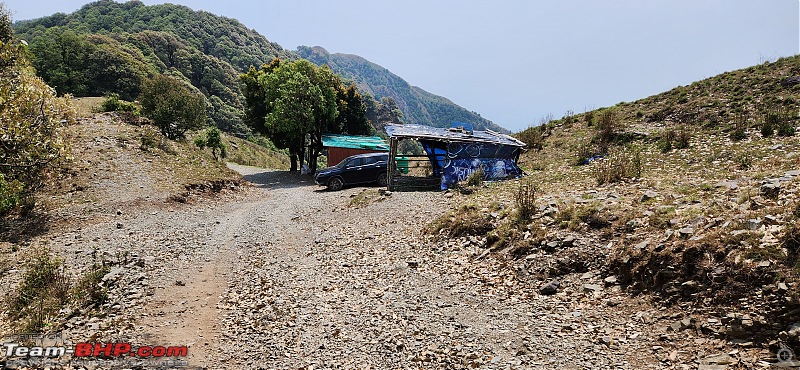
x: 418, y: 106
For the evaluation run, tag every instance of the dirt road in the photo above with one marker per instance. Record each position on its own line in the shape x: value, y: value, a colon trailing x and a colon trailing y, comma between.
x: 287, y: 276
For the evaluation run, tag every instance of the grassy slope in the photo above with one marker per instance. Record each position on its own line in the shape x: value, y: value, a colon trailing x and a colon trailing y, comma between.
x: 739, y: 244
x: 112, y: 163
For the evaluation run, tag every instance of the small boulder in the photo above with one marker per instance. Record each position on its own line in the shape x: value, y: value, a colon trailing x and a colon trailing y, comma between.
x: 649, y: 194
x: 754, y: 223
x: 592, y: 288
x: 794, y: 330
x: 770, y: 190
x: 550, y: 288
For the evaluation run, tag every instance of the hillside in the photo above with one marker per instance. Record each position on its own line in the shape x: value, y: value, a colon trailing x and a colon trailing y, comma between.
x: 418, y: 106
x: 107, y: 47
x: 223, y: 38
x: 684, y: 198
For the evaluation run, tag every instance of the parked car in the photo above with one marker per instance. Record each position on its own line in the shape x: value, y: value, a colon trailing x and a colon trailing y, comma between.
x: 356, y: 169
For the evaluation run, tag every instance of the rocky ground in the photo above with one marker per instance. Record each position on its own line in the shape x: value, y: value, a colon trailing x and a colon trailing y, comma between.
x: 283, y: 275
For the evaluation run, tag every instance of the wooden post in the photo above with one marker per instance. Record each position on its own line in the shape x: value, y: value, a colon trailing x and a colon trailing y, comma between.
x: 392, y: 165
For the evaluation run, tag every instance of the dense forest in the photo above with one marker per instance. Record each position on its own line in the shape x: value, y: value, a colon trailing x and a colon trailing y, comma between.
x: 108, y: 47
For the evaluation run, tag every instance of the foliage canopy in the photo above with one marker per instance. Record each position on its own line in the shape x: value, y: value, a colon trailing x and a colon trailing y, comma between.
x: 292, y: 101
x: 30, y: 113
x: 172, y: 106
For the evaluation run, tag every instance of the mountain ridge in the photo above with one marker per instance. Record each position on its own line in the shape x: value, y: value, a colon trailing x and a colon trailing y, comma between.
x: 218, y: 41
x: 418, y: 105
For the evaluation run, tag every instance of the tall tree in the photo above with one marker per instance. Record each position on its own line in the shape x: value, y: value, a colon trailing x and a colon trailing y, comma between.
x: 352, y: 112
x: 294, y: 103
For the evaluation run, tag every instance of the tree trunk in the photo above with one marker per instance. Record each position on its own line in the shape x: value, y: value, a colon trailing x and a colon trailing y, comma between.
x: 293, y: 159
x: 316, y: 148
x: 302, y: 155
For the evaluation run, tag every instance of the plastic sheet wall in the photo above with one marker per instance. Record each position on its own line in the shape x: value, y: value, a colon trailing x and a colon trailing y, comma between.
x: 456, y: 161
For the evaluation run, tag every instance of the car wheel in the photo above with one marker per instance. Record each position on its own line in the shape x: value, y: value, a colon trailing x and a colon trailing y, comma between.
x: 383, y: 180
x: 335, y: 184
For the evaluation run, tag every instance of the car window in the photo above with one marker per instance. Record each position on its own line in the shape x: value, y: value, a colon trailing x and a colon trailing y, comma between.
x: 370, y: 160
x: 354, y: 162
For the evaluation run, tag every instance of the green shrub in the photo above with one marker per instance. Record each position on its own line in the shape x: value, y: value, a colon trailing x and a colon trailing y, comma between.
x: 589, y: 118
x: 682, y: 138
x: 767, y: 129
x: 739, y: 132
x: 10, y: 194
x: 665, y: 142
x: 786, y: 128
x: 112, y: 103
x: 212, y: 138
x: 607, y: 127
x: 584, y: 151
x: 89, y: 291
x: 149, y: 140
x: 43, y: 291
x: 476, y: 178
x: 30, y: 116
x: 674, y: 139
x: 743, y: 160
x: 533, y: 137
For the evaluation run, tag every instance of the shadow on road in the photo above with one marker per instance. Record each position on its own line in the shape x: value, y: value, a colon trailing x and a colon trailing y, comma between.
x: 278, y: 179
x: 272, y: 179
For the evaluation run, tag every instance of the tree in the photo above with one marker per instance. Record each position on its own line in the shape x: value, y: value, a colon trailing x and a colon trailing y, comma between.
x: 60, y: 57
x: 212, y: 138
x: 352, y: 113
x: 294, y: 103
x: 30, y: 113
x: 172, y: 106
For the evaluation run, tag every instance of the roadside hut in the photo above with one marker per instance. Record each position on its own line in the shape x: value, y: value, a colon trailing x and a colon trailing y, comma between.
x: 342, y: 146
x: 456, y: 153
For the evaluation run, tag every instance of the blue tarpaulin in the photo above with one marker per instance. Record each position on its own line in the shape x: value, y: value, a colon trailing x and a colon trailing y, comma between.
x: 456, y: 153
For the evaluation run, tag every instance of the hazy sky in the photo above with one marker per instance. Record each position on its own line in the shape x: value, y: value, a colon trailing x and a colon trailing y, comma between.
x: 515, y: 61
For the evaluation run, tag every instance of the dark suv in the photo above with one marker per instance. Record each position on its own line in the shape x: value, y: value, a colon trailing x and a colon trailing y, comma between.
x: 356, y: 169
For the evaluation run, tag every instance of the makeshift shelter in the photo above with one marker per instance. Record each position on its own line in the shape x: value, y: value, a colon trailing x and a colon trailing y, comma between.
x: 342, y: 146
x: 458, y: 152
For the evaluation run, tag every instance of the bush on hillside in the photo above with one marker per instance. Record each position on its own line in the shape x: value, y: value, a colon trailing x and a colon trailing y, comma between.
x: 112, y: 103
x: 532, y: 137
x: 172, y: 106
x: 30, y: 113
x: 212, y: 138
x: 618, y: 165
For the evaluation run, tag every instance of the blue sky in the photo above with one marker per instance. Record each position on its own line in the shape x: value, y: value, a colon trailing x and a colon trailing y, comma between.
x: 515, y: 61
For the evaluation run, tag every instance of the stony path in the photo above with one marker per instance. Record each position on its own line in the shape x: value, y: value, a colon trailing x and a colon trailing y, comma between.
x: 287, y: 276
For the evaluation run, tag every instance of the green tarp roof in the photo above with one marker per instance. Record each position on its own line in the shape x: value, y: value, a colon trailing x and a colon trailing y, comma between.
x: 354, y: 142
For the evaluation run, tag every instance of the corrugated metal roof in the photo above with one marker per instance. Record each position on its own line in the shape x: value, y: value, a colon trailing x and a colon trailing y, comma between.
x: 449, y: 134
x: 354, y: 142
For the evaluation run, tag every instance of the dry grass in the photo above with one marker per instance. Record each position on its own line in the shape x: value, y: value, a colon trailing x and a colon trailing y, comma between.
x: 251, y: 154
x: 87, y: 106
x: 111, y: 162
